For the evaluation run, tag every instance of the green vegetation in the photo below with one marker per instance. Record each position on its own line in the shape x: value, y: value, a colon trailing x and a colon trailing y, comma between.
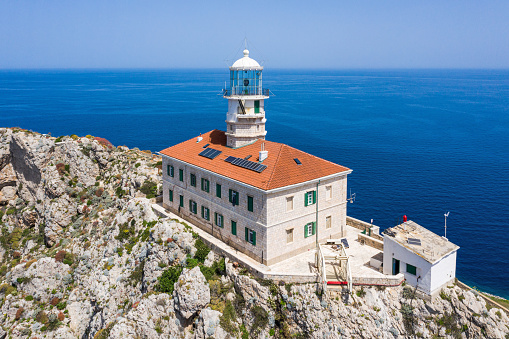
x: 228, y: 318
x: 149, y: 188
x: 445, y: 296
x: 361, y: 293
x: 202, y: 250
x: 137, y: 275
x: 62, y: 305
x: 260, y: 321
x: 168, y: 279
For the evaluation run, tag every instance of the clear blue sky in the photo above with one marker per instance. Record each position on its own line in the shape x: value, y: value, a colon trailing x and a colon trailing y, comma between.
x: 284, y: 34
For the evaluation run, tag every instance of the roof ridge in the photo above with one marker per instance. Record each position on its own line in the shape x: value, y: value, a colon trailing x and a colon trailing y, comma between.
x: 314, y: 156
x: 275, y: 165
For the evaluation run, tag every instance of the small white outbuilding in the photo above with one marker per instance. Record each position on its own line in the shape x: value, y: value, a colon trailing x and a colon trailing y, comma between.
x: 427, y: 260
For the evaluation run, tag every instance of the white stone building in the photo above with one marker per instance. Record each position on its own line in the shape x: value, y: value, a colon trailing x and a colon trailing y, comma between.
x: 427, y: 260
x: 266, y: 199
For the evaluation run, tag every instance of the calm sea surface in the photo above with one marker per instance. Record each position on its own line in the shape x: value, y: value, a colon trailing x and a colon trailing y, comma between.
x: 420, y: 142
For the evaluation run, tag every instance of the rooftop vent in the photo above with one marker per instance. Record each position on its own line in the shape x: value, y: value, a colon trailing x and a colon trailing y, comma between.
x: 200, y: 138
x: 207, y: 145
x: 297, y: 161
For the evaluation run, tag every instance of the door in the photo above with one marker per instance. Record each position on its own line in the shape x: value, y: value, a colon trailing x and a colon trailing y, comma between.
x: 257, y: 106
x: 395, y: 266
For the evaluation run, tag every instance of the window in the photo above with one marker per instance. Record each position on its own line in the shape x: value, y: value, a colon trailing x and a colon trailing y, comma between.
x: 181, y: 174
x: 309, y: 229
x: 328, y: 192
x: 219, y: 219
x: 328, y: 222
x: 192, y: 206
x: 205, y: 185
x: 289, y: 204
x: 205, y: 213
x: 250, y: 236
x: 170, y: 170
x: 234, y: 227
x: 411, y: 269
x: 193, y: 180
x: 181, y: 201
x: 250, y: 207
x: 170, y: 196
x: 289, y: 236
x: 234, y: 197
x: 309, y: 198
x: 257, y: 106
x: 218, y: 190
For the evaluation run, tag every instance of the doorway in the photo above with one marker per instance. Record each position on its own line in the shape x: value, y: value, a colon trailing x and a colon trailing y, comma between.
x: 395, y: 266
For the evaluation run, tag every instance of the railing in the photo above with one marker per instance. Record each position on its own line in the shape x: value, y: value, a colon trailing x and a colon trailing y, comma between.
x: 250, y: 90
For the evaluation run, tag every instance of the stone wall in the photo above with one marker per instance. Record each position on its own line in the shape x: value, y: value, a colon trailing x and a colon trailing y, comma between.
x: 371, y: 241
x: 390, y: 280
x: 362, y: 225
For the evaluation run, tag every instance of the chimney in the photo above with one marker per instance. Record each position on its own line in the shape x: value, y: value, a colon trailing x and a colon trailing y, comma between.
x: 263, y: 153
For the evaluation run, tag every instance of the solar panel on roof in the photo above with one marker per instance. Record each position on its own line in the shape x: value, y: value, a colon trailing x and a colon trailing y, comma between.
x: 250, y: 165
x: 345, y: 243
x: 210, y: 153
x: 207, y: 145
x: 414, y: 241
x: 247, y: 157
x: 297, y: 161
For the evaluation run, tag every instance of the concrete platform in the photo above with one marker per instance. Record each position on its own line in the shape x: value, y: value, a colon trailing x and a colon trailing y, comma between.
x: 300, y: 268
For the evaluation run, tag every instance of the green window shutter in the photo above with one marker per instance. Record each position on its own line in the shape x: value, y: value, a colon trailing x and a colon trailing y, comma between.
x: 203, y: 212
x: 168, y: 169
x: 250, y: 203
x: 305, y: 199
x: 247, y: 233
x: 218, y: 190
x: 314, y: 228
x: 181, y: 174
x: 191, y: 205
x: 215, y: 218
x: 314, y: 197
x: 230, y: 195
x: 411, y: 269
x: 306, y: 231
x: 171, y: 171
x: 234, y: 227
x: 181, y: 201
x: 171, y: 195
x: 202, y: 184
x: 257, y: 106
x: 254, y: 238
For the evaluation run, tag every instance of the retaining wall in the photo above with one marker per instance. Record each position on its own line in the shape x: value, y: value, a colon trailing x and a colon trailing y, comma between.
x: 371, y: 241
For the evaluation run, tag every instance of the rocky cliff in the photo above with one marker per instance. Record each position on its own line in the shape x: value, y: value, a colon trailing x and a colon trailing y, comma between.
x: 83, y: 255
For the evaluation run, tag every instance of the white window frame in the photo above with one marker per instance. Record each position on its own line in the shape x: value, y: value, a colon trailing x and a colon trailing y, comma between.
x: 309, y: 198
x: 310, y: 229
x: 220, y: 220
x: 250, y: 234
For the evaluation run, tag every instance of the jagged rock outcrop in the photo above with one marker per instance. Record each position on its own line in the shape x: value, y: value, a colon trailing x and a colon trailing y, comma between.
x: 191, y: 293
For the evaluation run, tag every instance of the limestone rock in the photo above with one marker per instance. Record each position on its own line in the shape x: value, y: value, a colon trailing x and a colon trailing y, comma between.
x: 7, y: 194
x: 7, y: 176
x: 191, y: 293
x: 208, y: 325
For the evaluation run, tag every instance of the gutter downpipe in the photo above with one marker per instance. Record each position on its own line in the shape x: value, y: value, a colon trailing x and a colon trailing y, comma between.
x: 318, y: 183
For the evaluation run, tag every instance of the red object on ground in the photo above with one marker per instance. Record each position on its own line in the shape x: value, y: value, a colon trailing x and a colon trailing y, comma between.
x: 337, y: 283
x: 404, y: 218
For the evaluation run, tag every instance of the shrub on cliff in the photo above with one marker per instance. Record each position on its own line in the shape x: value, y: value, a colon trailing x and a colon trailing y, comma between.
x: 149, y: 188
x: 168, y: 279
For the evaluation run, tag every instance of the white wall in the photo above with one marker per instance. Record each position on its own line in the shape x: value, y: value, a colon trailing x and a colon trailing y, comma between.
x: 443, y: 271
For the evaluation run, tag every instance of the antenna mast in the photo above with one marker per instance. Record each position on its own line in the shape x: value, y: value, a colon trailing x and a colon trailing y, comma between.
x: 445, y: 224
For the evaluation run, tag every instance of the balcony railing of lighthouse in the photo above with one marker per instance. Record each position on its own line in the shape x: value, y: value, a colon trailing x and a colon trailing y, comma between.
x: 245, y: 90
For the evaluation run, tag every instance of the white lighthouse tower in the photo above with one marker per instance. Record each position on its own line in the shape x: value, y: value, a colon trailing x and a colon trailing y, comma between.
x: 245, y: 120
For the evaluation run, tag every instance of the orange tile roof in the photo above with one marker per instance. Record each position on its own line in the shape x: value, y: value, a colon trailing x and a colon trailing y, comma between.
x: 281, y: 168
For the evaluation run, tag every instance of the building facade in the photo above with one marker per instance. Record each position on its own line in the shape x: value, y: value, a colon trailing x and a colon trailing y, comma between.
x: 265, y: 199
x: 427, y: 260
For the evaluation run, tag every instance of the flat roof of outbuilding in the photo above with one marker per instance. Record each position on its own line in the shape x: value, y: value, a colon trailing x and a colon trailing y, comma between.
x: 432, y: 247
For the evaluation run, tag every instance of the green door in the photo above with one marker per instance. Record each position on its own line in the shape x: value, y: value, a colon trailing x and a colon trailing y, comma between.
x: 395, y: 266
x: 257, y: 106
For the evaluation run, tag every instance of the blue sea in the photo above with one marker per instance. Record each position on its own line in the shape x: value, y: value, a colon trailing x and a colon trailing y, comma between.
x: 420, y: 142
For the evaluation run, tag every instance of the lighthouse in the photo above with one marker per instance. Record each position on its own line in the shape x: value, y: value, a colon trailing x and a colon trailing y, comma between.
x: 245, y: 120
